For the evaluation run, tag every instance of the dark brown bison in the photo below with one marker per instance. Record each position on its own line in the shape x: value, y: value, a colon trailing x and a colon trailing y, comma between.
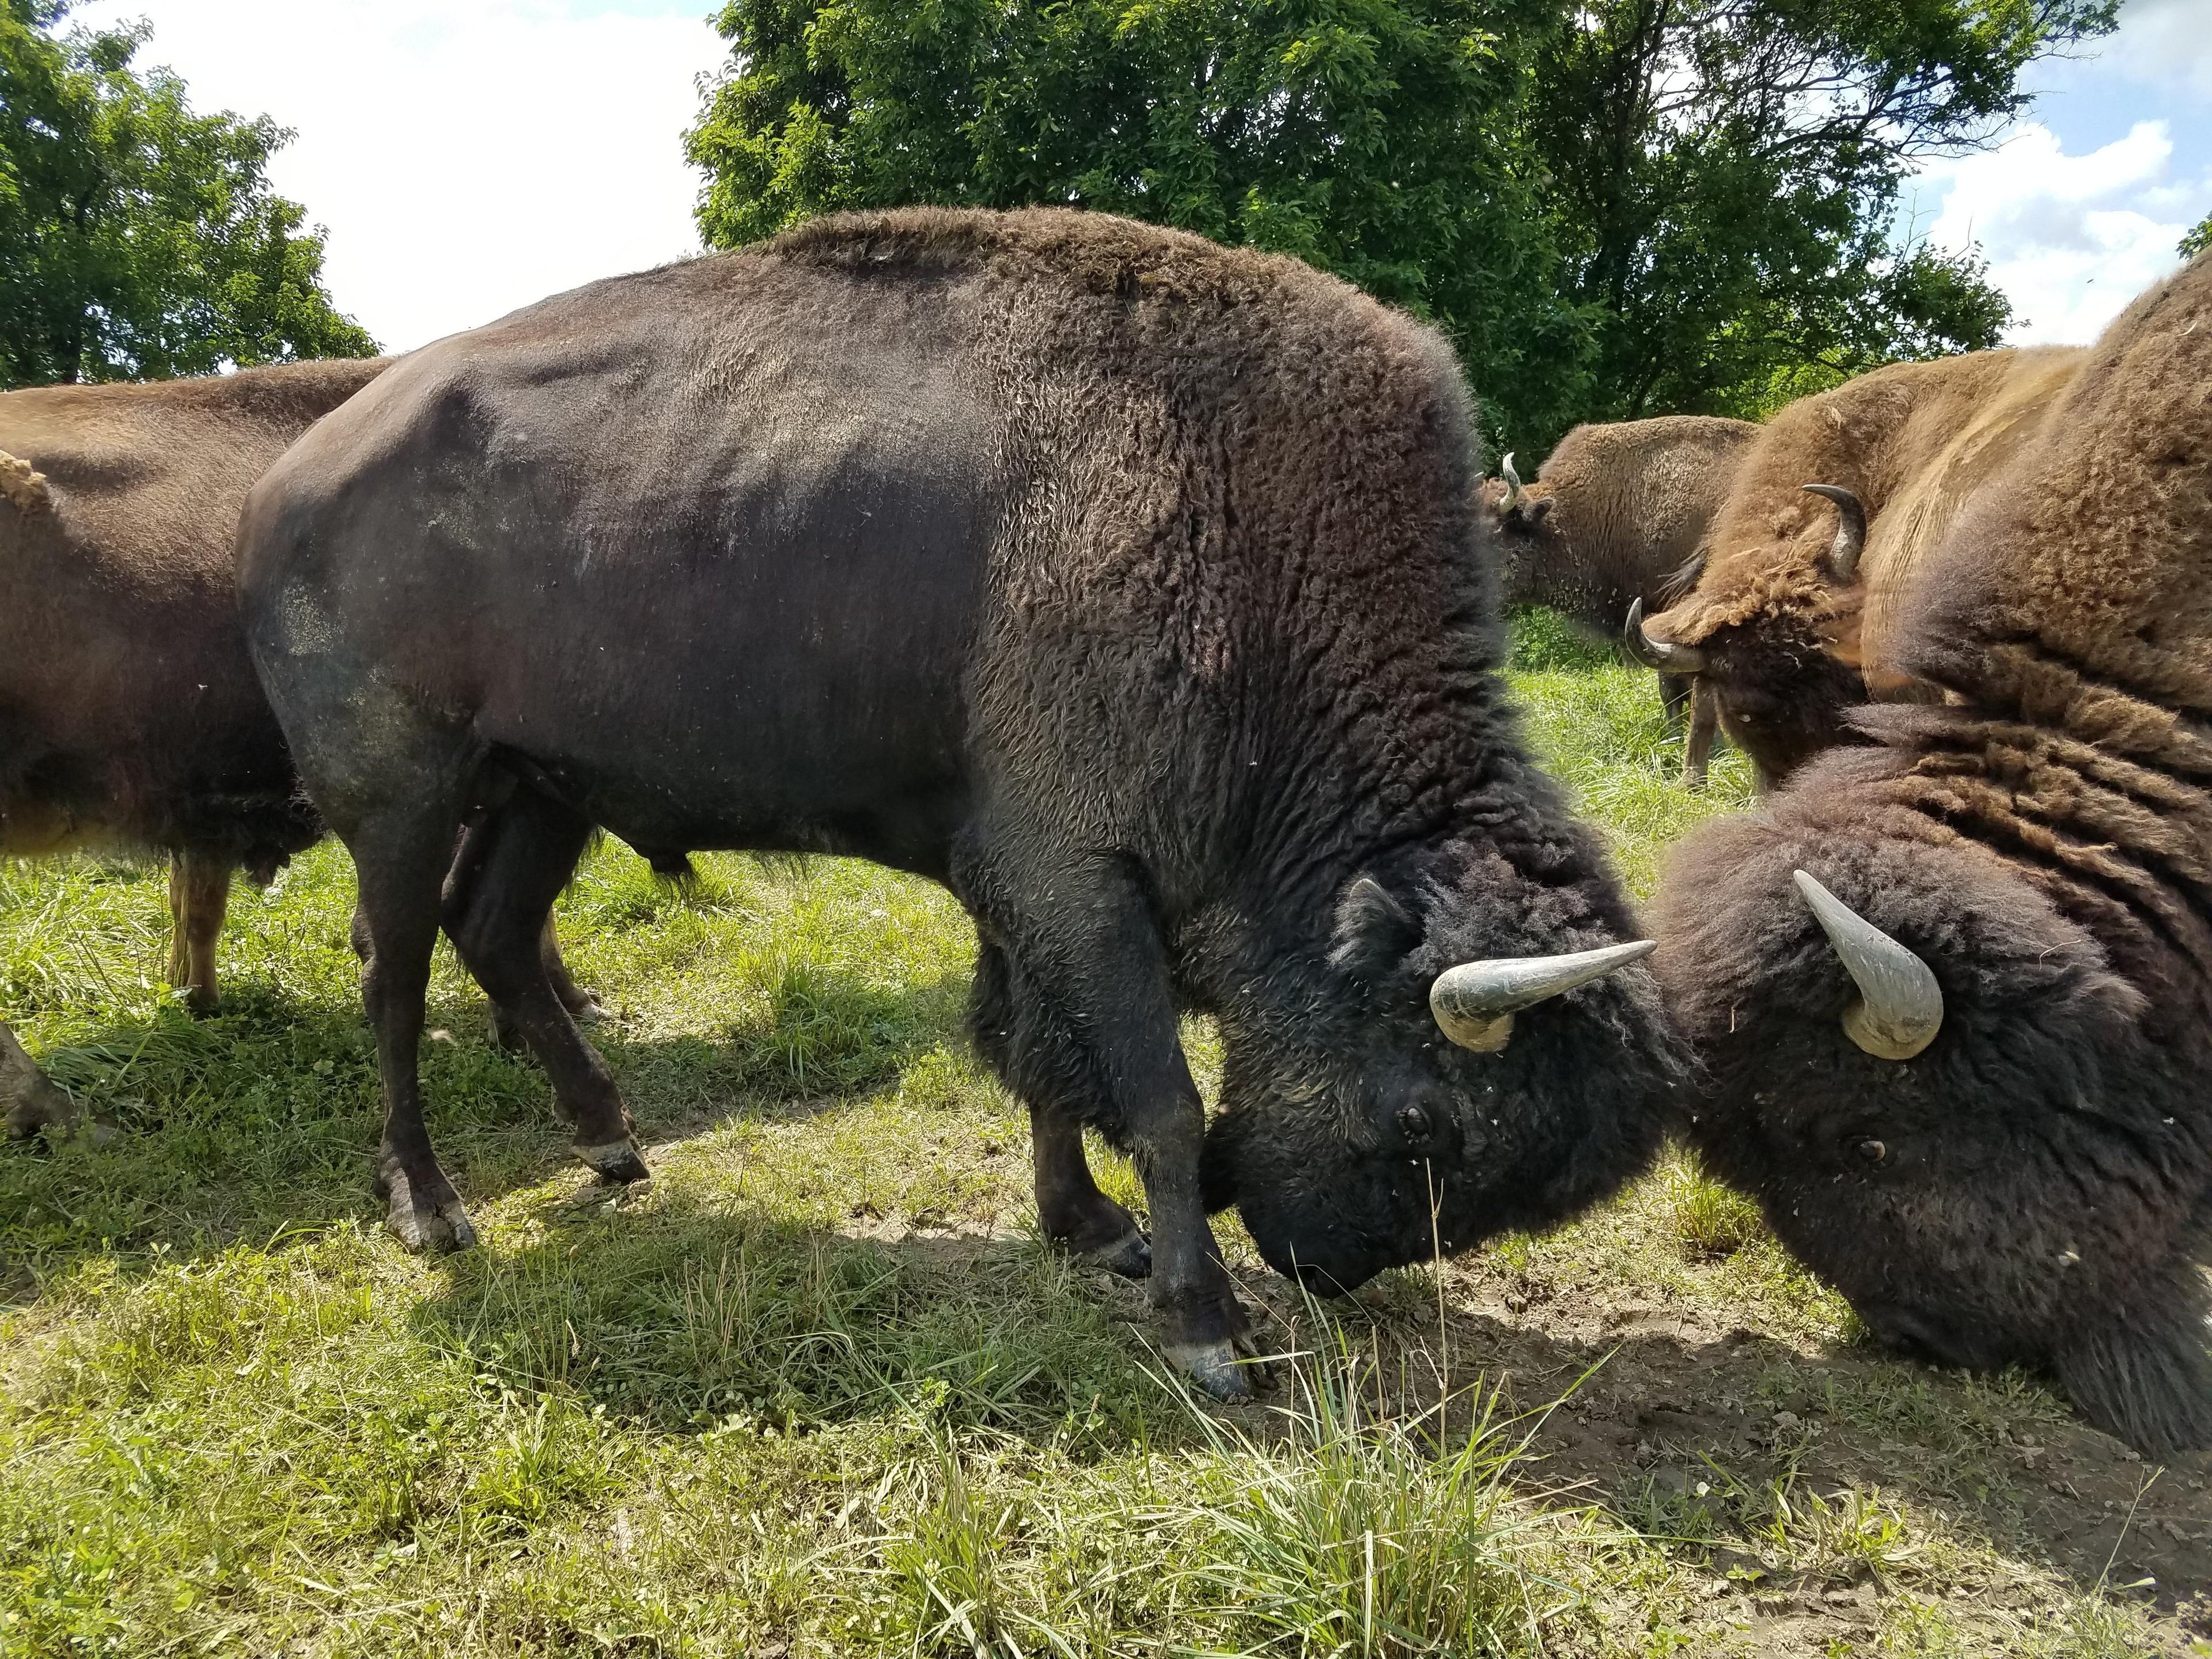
x: 1619, y: 515
x: 128, y: 711
x: 1792, y: 623
x: 1133, y: 587
x: 1955, y: 989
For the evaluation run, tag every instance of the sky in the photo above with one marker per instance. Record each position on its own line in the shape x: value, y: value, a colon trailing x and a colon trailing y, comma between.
x: 2078, y: 209
x: 469, y: 156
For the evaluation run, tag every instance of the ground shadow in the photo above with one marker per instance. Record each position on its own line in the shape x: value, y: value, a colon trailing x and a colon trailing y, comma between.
x: 266, y: 1116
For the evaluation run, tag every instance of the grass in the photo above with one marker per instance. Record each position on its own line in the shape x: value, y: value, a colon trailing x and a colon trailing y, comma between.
x: 822, y: 1391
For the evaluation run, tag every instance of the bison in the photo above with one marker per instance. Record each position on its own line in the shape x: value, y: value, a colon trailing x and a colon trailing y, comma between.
x: 1793, y: 618
x: 1955, y: 989
x: 1133, y: 587
x: 129, y: 710
x: 1619, y: 515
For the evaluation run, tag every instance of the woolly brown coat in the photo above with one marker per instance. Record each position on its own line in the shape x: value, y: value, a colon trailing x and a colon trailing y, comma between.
x: 1789, y: 649
x: 128, y: 711
x: 2034, y: 1186
x: 1617, y: 511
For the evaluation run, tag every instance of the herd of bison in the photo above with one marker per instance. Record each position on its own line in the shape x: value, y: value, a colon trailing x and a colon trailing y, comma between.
x: 1144, y: 593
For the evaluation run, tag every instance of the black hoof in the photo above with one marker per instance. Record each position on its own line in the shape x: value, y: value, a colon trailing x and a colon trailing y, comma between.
x: 617, y: 1164
x: 430, y: 1229
x: 1215, y: 1367
x: 590, y: 1011
x: 1128, y: 1255
x: 427, y: 1219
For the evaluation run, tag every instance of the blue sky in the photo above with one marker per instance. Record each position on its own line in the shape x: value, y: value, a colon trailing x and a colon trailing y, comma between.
x: 469, y: 156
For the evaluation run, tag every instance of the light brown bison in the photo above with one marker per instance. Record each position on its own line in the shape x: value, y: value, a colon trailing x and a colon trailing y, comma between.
x: 1955, y: 989
x: 1133, y: 587
x: 1793, y: 619
x: 129, y: 712
x: 1618, y: 515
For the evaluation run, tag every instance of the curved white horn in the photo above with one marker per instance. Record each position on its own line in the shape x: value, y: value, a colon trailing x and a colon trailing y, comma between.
x: 1850, y: 529
x: 1512, y: 483
x: 1475, y: 1003
x: 1662, y: 654
x: 1900, y: 1006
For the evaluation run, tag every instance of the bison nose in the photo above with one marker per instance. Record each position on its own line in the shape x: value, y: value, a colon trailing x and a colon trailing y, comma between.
x: 1312, y: 1264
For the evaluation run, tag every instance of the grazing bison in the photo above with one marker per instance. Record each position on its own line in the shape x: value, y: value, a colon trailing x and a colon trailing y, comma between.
x: 1956, y: 990
x: 1792, y: 621
x: 1619, y: 515
x: 1133, y: 587
x: 129, y: 710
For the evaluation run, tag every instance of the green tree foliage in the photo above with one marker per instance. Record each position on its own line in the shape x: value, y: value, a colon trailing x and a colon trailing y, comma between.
x: 1373, y: 137
x: 2198, y: 240
x: 137, y: 239
x: 1614, y: 207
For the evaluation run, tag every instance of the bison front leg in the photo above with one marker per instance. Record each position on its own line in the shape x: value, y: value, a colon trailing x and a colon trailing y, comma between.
x: 1698, y: 748
x: 199, y: 899
x: 1097, y: 1025
x: 29, y: 1101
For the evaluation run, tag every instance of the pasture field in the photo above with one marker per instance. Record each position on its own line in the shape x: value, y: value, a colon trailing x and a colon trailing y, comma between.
x: 821, y: 1391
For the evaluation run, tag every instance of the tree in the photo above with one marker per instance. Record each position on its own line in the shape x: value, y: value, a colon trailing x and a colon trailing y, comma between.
x: 2198, y: 240
x: 1728, y: 175
x: 1375, y: 138
x: 137, y: 239
x: 1614, y: 207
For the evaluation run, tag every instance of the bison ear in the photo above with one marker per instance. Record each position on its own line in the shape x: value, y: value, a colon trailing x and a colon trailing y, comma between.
x: 1533, y: 509
x: 1373, y: 930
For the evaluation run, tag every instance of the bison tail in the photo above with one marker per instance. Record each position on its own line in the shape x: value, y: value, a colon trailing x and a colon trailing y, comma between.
x: 25, y: 488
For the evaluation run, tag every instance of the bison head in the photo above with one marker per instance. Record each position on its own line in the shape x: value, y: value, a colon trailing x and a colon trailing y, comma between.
x: 1483, y: 1055
x: 1948, y: 1101
x: 1774, y: 632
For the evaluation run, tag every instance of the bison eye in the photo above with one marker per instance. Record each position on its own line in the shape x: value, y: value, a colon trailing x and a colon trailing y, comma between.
x: 1413, y: 1123
x: 1873, y: 1151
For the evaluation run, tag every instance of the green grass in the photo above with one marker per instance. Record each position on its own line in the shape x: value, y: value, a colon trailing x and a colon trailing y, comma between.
x: 822, y: 1391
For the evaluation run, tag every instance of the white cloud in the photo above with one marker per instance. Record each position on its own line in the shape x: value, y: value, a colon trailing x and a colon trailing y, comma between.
x: 2165, y: 42
x: 2070, y: 238
x: 469, y: 156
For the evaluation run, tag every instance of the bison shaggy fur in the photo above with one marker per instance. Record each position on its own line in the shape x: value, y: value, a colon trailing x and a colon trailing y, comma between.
x: 1790, y: 648
x: 1134, y: 586
x: 2034, y: 1186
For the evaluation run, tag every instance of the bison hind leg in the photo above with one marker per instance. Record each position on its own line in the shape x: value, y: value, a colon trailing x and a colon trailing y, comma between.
x: 1071, y: 1210
x: 2146, y: 1378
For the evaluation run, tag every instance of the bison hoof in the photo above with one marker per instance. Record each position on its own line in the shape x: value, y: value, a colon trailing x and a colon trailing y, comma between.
x: 1128, y: 1255
x: 590, y: 1011
x: 426, y: 1220
x: 430, y: 1229
x: 1215, y: 1367
x: 617, y: 1164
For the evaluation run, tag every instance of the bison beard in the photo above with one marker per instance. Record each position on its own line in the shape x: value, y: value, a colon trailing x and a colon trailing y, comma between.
x: 2033, y: 1183
x: 1129, y: 585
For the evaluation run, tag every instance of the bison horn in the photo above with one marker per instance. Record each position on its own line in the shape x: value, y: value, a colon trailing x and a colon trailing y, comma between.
x: 1663, y: 654
x: 1475, y: 1003
x: 1512, y: 483
x: 1900, y: 1006
x: 1850, y: 529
